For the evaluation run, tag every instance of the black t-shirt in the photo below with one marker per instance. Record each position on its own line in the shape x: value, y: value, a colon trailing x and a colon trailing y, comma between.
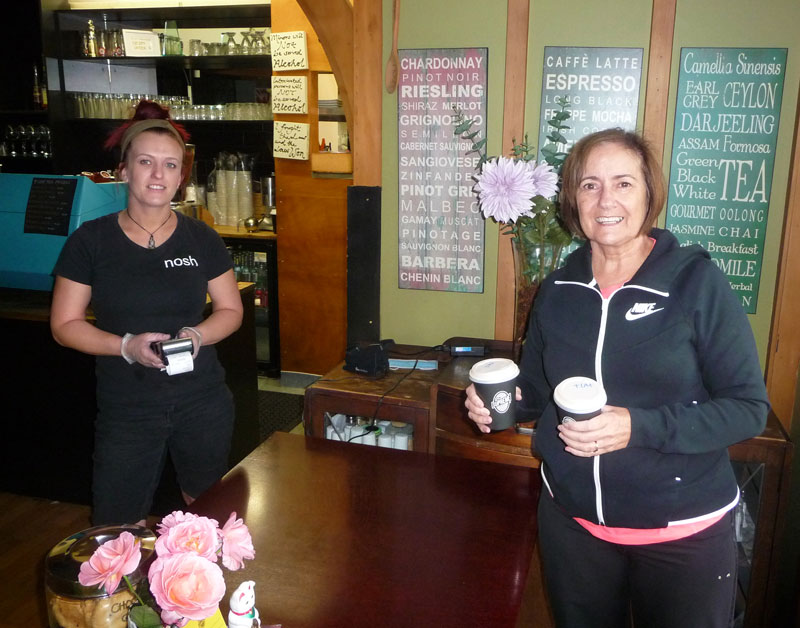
x: 136, y: 290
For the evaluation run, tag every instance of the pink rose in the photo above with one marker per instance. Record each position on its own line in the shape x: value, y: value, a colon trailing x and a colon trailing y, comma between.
x: 197, y: 535
x: 186, y: 585
x: 236, y: 543
x: 110, y: 562
x: 174, y: 518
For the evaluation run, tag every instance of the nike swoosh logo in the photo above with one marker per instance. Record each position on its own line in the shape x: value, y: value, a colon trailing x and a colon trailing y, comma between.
x: 630, y: 315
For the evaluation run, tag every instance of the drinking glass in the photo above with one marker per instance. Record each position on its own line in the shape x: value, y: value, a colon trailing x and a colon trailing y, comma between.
x: 259, y: 46
x: 229, y: 45
x: 195, y: 48
x: 246, y: 45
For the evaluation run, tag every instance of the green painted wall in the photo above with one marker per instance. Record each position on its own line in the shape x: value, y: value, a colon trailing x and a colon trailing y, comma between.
x: 424, y: 317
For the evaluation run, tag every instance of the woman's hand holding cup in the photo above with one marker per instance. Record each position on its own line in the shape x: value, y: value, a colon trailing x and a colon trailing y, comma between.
x: 477, y: 410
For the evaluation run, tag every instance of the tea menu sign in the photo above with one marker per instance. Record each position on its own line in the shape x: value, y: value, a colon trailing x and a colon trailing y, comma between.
x: 723, y: 154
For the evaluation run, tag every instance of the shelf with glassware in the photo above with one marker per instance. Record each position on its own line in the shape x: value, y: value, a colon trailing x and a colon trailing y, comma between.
x: 25, y: 144
x: 222, y: 100
x: 219, y: 82
x: 208, y: 40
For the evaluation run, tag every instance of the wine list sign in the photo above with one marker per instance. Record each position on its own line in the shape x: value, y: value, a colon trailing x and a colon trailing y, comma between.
x: 441, y: 230
x: 723, y: 155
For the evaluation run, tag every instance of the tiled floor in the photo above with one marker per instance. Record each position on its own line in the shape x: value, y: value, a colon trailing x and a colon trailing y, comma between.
x: 280, y: 411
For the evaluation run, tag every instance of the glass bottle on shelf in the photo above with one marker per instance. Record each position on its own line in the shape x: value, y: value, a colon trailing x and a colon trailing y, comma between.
x: 117, y: 44
x: 43, y: 87
x: 37, y: 90
x: 91, y: 41
x: 102, y: 43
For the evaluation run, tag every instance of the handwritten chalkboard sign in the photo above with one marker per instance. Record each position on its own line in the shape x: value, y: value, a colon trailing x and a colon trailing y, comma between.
x: 50, y: 206
x: 723, y: 154
x: 290, y: 140
x: 289, y: 94
x: 289, y: 51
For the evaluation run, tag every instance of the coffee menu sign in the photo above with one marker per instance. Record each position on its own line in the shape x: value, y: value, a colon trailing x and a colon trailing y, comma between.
x: 441, y: 229
x: 723, y: 155
x: 602, y: 85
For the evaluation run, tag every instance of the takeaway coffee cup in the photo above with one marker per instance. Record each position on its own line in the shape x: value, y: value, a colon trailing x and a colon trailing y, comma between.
x: 495, y: 382
x: 578, y: 399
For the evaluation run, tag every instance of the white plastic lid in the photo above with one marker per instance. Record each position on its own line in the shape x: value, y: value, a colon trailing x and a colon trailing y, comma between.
x: 580, y: 395
x: 493, y: 371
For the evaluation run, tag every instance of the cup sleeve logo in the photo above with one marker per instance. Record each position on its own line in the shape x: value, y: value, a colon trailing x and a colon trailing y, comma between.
x: 501, y: 401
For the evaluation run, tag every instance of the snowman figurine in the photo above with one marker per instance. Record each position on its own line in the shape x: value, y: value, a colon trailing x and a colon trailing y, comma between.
x: 243, y: 612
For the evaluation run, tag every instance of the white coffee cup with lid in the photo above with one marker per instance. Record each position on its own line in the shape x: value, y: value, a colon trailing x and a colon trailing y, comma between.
x: 495, y: 382
x: 579, y: 399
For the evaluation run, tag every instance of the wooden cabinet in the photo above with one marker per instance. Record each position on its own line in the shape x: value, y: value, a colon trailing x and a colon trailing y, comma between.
x: 402, y: 395
x: 762, y: 465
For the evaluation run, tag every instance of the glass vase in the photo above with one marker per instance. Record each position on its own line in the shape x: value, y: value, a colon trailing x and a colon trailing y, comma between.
x: 530, y: 262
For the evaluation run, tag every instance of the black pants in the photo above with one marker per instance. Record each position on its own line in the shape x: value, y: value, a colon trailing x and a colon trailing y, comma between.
x: 688, y: 583
x: 131, y: 444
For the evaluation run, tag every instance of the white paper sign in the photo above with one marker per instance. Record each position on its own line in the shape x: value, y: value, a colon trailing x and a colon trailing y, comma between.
x: 289, y: 94
x: 289, y: 51
x: 141, y: 43
x: 290, y: 140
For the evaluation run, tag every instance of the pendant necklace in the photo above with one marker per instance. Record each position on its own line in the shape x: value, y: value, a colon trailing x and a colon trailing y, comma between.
x: 151, y: 243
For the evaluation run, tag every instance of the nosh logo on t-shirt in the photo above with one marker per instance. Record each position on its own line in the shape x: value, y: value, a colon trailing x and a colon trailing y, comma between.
x: 180, y: 261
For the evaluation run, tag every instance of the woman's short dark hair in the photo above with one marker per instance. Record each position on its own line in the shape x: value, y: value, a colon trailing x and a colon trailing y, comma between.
x: 575, y: 164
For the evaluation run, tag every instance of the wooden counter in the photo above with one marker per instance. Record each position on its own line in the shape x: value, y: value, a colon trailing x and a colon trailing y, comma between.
x: 50, y: 408
x: 234, y: 232
x: 348, y: 535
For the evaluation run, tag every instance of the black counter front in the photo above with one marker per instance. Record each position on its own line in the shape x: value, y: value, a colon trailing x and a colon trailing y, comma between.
x: 49, y: 403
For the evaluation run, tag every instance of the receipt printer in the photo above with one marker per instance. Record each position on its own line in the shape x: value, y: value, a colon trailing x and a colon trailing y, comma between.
x: 175, y: 354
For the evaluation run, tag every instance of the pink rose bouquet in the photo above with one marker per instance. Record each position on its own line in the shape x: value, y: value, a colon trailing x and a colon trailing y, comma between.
x: 185, y: 580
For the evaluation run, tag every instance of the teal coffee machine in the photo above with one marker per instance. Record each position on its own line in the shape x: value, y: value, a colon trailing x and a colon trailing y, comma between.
x: 37, y: 213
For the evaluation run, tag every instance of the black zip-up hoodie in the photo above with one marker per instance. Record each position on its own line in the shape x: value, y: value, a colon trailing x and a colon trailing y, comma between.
x: 674, y: 347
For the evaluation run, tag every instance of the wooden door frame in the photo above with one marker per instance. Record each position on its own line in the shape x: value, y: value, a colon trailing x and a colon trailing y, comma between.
x: 783, y: 355
x: 351, y: 33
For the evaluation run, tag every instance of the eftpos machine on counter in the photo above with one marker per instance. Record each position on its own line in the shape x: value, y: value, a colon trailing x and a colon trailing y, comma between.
x: 38, y: 213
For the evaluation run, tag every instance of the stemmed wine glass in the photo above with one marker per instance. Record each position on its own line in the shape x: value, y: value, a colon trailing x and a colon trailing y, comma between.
x: 229, y: 45
x: 246, y: 46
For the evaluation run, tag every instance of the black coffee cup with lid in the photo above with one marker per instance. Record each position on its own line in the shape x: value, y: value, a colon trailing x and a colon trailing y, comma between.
x: 495, y: 382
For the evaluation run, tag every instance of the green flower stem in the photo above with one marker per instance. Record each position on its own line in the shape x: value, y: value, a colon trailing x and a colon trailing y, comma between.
x: 132, y: 590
